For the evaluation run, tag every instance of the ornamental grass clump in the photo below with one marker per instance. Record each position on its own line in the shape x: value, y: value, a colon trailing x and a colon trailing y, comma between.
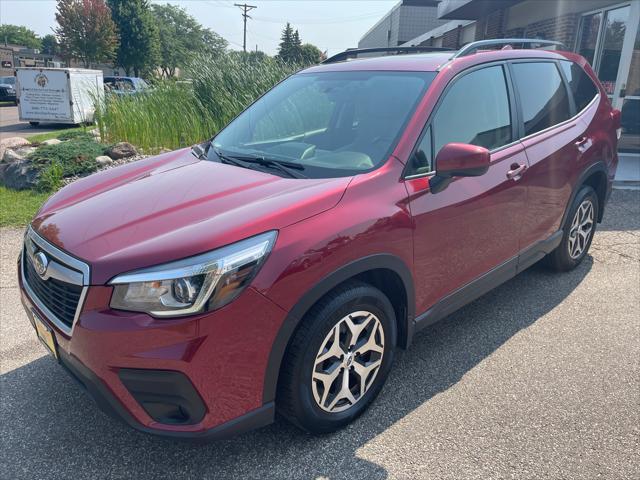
x: 177, y: 114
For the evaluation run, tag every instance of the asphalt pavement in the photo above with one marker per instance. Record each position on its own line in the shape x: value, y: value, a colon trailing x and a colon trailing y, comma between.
x: 11, y: 126
x: 538, y: 379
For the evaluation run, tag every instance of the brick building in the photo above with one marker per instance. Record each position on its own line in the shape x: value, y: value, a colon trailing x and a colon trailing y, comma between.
x: 606, y: 32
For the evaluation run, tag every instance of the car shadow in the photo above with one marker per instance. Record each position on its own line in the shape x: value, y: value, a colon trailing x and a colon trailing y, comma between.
x: 50, y: 427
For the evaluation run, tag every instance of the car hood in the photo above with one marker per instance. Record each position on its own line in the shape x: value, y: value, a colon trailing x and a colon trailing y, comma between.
x: 173, y: 206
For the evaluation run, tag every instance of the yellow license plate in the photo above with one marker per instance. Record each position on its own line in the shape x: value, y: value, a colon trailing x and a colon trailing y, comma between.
x: 45, y: 335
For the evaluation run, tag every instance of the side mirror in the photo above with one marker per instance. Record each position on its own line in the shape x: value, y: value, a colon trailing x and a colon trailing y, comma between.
x: 459, y: 160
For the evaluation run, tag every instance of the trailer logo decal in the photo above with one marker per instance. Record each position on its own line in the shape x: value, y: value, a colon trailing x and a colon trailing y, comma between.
x: 42, y: 80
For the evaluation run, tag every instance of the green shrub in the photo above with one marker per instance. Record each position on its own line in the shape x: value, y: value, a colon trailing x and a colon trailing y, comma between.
x: 174, y: 115
x: 74, y: 157
x: 51, y: 178
x: 75, y: 134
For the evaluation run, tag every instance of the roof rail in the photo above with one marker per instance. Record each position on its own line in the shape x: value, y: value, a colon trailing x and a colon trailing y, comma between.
x: 470, y: 48
x: 355, y: 52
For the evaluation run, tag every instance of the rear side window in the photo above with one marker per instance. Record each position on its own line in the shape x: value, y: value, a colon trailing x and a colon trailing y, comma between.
x: 543, y: 95
x: 580, y: 84
x: 475, y: 110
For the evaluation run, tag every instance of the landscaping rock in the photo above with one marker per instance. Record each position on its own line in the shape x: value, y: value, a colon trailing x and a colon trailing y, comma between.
x: 11, y: 142
x: 52, y: 141
x: 11, y: 155
x: 122, y: 150
x: 103, y: 160
x: 19, y: 175
x: 95, y: 132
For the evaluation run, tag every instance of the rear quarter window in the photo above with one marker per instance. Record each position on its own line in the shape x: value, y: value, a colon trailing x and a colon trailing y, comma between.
x: 543, y: 95
x: 581, y: 86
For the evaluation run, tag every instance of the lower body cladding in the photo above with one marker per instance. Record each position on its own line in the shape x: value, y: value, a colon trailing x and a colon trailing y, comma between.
x: 193, y: 377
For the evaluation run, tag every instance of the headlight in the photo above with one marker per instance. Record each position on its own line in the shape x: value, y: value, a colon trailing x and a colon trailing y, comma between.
x: 195, y: 284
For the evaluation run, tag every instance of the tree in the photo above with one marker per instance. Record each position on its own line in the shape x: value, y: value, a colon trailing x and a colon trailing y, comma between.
x: 19, y: 35
x: 50, y: 45
x: 290, y: 45
x: 182, y: 37
x: 85, y: 31
x: 311, y: 54
x: 139, y: 49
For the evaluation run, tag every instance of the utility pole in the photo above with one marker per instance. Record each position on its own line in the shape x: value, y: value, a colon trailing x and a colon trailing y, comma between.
x: 245, y: 14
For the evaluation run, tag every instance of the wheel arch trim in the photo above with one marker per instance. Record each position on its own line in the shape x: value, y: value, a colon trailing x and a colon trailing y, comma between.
x: 319, y: 290
x: 597, y: 167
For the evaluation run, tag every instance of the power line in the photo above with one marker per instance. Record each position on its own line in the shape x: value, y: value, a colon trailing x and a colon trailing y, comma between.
x: 245, y: 14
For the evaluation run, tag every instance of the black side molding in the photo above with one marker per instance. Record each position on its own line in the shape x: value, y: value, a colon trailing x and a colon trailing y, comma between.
x: 487, y: 282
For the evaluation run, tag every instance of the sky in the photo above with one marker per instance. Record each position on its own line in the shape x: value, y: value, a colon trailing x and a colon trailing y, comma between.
x: 332, y: 25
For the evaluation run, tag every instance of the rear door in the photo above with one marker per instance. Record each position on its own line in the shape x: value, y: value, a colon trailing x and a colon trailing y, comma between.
x: 473, y: 225
x: 553, y: 139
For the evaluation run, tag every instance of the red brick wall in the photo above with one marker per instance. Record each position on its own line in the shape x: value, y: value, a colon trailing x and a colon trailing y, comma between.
x: 563, y: 29
x: 451, y: 39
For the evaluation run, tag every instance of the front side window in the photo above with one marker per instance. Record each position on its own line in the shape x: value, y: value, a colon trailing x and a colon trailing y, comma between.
x: 543, y: 95
x: 580, y: 84
x: 475, y: 110
x: 329, y: 123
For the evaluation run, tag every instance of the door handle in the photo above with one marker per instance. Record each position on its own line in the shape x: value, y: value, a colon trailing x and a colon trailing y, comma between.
x: 516, y: 171
x: 583, y: 144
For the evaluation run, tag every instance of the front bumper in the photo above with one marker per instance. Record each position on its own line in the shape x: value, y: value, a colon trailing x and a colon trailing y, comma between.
x: 215, y: 361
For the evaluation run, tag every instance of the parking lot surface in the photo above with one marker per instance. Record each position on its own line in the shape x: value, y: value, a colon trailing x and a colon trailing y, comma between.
x: 538, y: 379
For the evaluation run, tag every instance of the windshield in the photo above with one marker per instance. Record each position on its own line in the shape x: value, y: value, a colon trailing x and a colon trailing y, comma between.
x: 8, y: 80
x: 331, y: 124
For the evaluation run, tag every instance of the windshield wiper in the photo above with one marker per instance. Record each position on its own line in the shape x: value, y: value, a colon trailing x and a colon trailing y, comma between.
x: 285, y: 167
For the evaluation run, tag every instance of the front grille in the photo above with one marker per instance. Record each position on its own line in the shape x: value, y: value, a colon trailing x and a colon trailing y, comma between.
x: 59, y: 292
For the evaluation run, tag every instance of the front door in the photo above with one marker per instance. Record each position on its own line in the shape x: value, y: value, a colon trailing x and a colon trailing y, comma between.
x: 474, y: 224
x: 610, y: 40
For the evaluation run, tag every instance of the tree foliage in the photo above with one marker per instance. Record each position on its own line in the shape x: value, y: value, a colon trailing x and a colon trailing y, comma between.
x: 182, y: 37
x: 85, y: 31
x: 19, y: 35
x: 50, y: 45
x: 139, y: 48
x: 292, y: 50
x: 289, y: 50
x: 311, y: 54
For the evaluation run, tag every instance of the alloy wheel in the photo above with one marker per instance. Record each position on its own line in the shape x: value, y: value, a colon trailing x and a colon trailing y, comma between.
x: 581, y: 229
x: 348, y: 361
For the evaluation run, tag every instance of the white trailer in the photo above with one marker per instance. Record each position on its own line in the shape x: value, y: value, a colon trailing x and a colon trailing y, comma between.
x: 58, y: 95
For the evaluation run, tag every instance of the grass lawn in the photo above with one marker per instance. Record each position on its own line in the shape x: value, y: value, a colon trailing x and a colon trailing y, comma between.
x: 41, y: 137
x: 17, y: 208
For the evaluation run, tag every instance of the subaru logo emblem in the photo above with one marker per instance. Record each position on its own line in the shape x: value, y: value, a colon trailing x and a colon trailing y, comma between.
x: 40, y: 263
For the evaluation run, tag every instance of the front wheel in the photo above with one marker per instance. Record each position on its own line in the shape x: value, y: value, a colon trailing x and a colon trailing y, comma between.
x: 34, y: 124
x: 338, y: 359
x: 578, y: 231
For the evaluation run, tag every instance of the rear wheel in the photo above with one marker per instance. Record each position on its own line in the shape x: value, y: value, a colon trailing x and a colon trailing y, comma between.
x: 578, y: 231
x: 338, y: 359
x: 34, y: 124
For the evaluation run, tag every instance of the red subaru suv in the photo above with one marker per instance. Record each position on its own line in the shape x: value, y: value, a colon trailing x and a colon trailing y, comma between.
x: 278, y: 266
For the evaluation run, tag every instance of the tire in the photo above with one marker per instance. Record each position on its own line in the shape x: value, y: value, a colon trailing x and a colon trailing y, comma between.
x: 34, y: 124
x: 300, y: 398
x: 575, y: 242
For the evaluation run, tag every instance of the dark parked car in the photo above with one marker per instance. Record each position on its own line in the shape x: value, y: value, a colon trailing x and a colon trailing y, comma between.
x: 8, y: 89
x: 280, y: 265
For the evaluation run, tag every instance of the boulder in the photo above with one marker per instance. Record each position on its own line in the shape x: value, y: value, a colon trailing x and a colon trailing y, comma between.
x: 11, y: 142
x: 52, y: 141
x: 103, y: 160
x: 122, y: 150
x: 19, y: 175
x: 14, y: 155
